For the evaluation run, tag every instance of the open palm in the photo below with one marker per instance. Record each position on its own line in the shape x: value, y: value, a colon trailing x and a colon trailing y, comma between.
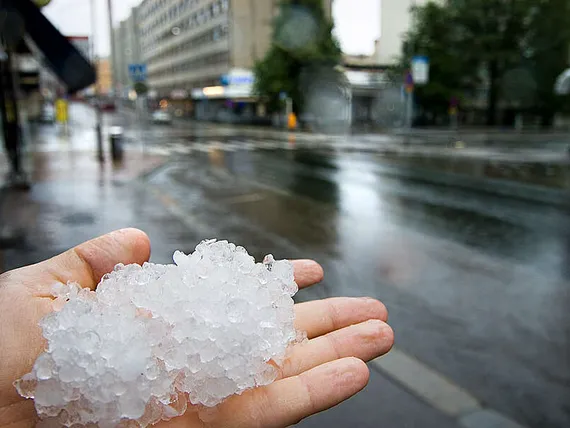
x: 319, y: 374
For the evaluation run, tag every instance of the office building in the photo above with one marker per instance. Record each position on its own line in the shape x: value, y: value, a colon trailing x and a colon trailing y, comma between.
x: 190, y: 44
x: 104, y: 72
x: 127, y: 49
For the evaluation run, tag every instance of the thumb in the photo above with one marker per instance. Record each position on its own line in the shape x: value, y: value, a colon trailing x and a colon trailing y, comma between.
x: 88, y: 262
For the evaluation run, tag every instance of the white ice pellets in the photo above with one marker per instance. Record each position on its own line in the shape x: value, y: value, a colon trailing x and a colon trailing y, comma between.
x: 210, y: 326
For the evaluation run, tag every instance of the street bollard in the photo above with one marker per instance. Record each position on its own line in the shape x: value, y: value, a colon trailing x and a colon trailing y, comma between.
x: 116, y: 140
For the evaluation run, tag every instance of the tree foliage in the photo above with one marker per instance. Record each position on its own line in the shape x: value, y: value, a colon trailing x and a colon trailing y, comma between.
x: 302, y: 42
x: 509, y: 48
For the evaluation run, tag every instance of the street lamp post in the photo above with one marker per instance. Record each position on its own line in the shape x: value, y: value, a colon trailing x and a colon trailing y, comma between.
x: 98, y: 113
x: 112, y: 42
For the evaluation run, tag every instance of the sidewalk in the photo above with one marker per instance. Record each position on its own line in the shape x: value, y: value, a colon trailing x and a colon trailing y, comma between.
x: 74, y: 198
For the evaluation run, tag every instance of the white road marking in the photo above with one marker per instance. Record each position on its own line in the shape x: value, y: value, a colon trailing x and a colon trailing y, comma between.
x: 487, y: 419
x: 440, y: 392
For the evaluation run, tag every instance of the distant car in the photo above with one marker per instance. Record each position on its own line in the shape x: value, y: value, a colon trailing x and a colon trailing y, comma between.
x: 47, y: 115
x: 107, y: 105
x: 161, y: 117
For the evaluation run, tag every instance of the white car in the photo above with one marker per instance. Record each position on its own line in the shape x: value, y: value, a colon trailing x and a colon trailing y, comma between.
x: 161, y: 116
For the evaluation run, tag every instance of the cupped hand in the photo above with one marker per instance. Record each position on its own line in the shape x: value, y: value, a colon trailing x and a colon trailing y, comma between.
x: 320, y: 373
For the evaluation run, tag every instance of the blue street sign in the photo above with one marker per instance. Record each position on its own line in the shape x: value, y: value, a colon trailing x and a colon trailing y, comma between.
x: 420, y: 69
x: 137, y: 72
x: 234, y: 79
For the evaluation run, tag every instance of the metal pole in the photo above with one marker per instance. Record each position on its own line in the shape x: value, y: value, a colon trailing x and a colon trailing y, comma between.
x: 113, y: 53
x: 409, y: 110
x: 99, y: 115
x: 288, y: 111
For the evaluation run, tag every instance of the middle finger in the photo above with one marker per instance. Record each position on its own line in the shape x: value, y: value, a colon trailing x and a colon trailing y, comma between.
x: 323, y: 316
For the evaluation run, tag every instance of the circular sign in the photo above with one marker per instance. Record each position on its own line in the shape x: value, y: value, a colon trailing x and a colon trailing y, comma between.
x: 141, y: 88
x: 41, y: 3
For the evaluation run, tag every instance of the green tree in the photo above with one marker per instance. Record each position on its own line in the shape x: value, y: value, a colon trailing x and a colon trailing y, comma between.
x: 302, y: 44
x: 451, y: 74
x: 491, y: 33
x: 547, y: 49
x: 474, y: 44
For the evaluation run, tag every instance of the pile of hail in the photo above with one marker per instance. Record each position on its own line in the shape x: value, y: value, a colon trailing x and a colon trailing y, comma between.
x: 152, y: 338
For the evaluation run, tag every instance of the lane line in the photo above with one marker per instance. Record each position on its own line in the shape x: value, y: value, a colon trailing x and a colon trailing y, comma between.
x: 487, y: 419
x: 440, y: 392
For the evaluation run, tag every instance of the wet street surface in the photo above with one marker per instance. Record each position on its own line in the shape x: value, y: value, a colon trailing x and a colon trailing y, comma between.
x: 477, y: 284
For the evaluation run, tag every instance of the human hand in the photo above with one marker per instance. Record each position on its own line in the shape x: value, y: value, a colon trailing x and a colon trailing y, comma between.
x: 319, y: 374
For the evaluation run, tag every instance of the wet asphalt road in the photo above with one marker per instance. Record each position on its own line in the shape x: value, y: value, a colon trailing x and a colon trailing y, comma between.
x: 477, y: 285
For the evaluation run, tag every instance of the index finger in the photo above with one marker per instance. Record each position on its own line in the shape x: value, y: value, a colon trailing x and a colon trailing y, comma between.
x: 307, y: 272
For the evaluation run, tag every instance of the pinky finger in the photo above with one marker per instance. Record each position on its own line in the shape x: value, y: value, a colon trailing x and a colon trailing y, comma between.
x: 290, y: 400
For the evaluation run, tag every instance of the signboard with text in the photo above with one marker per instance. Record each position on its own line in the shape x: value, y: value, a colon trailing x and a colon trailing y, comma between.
x: 420, y: 69
x: 137, y: 72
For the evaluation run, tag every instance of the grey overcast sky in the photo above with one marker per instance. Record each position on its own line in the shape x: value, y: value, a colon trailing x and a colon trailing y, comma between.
x: 356, y: 26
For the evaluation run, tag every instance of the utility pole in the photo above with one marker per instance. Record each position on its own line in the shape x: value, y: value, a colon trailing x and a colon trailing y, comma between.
x: 98, y: 113
x: 113, y: 53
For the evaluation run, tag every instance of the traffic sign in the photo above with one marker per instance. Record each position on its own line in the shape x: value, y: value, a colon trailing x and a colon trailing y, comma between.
x: 140, y: 88
x: 137, y: 72
x: 420, y: 69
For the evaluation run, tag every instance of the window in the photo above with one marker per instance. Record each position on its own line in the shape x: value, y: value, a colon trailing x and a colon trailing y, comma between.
x: 201, y: 17
x: 216, y: 8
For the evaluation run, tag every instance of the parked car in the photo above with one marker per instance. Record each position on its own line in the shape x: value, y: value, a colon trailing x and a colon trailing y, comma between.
x: 161, y: 117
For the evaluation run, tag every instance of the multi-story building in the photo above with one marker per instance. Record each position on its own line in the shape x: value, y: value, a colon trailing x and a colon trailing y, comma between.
x: 396, y: 20
x: 127, y: 50
x: 189, y: 44
x: 103, y: 84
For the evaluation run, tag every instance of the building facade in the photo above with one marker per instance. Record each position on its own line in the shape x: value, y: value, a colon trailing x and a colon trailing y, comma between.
x: 126, y: 42
x: 189, y: 44
x: 396, y: 20
x: 104, y: 73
